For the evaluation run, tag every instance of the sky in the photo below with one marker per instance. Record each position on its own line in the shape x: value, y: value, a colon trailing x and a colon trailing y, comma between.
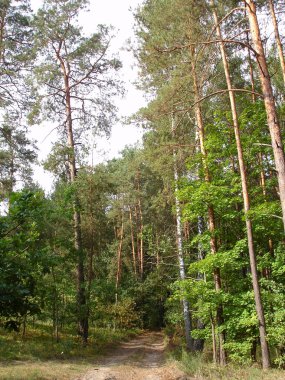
x: 118, y: 14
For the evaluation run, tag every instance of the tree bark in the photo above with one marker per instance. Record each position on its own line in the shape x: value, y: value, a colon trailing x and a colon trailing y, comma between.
x: 262, y: 179
x: 91, y: 250
x: 140, y: 247
x: 252, y: 256
x: 55, y: 308
x: 133, y: 243
x: 214, y: 342
x: 138, y: 242
x: 211, y: 213
x: 81, y: 296
x: 3, y: 15
x: 251, y: 74
x: 179, y: 242
x: 272, y: 118
x: 119, y: 258
x: 278, y: 39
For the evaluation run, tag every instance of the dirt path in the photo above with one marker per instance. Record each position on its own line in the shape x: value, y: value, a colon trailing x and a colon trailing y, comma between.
x: 139, y: 359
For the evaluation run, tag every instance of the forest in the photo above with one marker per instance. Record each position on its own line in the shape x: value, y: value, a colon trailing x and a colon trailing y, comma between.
x: 183, y: 232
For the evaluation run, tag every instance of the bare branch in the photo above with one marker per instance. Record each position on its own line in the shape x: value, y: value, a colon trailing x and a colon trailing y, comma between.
x: 226, y: 90
x: 210, y: 42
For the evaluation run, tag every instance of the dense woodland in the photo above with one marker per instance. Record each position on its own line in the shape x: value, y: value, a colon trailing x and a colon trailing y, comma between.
x: 184, y: 232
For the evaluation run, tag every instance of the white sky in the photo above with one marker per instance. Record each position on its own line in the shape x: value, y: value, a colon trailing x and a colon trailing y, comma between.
x: 118, y: 14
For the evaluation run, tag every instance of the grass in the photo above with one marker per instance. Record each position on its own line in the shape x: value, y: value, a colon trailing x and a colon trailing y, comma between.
x: 39, y: 357
x: 196, y: 366
x: 50, y: 370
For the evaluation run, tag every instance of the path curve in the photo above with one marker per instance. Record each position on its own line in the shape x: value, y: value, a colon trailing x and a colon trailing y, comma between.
x: 142, y: 358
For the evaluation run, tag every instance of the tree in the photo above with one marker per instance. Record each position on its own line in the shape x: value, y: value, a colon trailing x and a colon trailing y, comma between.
x: 277, y: 37
x: 17, y: 154
x: 76, y: 77
x: 174, y: 50
x: 15, y: 62
x: 211, y: 179
x: 22, y: 255
x: 242, y: 168
x: 15, y: 50
x: 272, y: 117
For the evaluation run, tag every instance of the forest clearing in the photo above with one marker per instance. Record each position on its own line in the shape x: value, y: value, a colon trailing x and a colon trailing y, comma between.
x: 168, y: 260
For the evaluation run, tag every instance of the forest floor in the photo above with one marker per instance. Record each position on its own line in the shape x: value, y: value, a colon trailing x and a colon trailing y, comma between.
x: 139, y: 356
x: 142, y: 358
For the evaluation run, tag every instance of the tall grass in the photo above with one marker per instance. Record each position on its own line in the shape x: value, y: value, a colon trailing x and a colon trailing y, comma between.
x: 197, y: 366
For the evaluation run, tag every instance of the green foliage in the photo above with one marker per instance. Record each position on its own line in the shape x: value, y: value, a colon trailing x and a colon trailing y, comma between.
x: 198, y: 366
x: 21, y: 256
x: 124, y: 314
x: 39, y: 344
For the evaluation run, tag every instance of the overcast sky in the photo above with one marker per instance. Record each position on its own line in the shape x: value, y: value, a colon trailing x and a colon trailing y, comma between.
x: 110, y: 12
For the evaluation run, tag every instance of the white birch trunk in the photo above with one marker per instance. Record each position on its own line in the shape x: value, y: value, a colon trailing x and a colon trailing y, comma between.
x: 179, y: 242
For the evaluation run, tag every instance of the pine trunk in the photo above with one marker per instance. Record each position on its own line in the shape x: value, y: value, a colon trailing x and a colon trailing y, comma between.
x: 272, y: 118
x: 277, y: 37
x: 211, y: 213
x: 252, y: 256
x: 81, y: 296
x: 214, y: 343
x: 140, y: 245
x: 119, y: 258
x: 133, y: 243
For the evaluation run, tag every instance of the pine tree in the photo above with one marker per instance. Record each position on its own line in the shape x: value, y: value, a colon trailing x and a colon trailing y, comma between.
x: 75, y: 73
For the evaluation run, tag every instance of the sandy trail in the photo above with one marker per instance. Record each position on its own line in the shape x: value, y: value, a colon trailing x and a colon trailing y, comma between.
x: 141, y: 358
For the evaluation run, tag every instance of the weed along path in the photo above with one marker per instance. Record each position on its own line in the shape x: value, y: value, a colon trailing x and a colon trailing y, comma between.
x: 142, y: 358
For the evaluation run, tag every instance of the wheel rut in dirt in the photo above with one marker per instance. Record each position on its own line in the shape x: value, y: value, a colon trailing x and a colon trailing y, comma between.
x: 142, y: 358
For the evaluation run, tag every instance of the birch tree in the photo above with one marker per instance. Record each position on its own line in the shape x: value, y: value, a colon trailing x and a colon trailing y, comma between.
x: 179, y: 243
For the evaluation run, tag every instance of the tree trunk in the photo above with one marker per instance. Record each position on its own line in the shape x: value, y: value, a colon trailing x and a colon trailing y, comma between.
x: 157, y: 252
x: 119, y: 258
x: 55, y: 308
x: 179, y: 242
x: 133, y: 243
x: 90, y: 272
x: 251, y: 74
x: 2, y: 35
x: 24, y: 327
x: 272, y: 119
x: 138, y: 243
x: 141, y: 253
x: 262, y: 179
x: 211, y: 213
x: 81, y: 296
x: 214, y: 342
x: 278, y: 39
x: 252, y: 257
x: 253, y: 351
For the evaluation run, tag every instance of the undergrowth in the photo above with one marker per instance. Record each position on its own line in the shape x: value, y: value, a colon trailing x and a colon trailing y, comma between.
x: 39, y: 356
x: 199, y: 366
